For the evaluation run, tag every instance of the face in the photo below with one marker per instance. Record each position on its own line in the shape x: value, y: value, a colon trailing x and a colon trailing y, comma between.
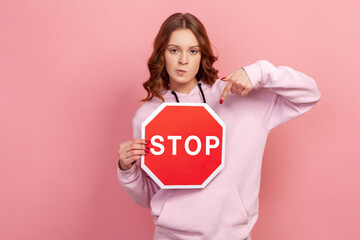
x: 182, y: 60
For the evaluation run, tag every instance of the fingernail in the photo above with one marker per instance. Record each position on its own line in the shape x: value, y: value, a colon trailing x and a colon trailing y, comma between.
x: 146, y: 151
x: 147, y: 141
x: 223, y: 78
x: 147, y: 148
x: 221, y: 101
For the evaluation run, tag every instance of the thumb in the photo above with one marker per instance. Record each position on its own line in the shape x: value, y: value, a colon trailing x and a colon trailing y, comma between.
x: 227, y: 78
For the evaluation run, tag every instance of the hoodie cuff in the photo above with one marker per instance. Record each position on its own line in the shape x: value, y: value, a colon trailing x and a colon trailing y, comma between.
x: 129, y: 175
x: 254, y: 72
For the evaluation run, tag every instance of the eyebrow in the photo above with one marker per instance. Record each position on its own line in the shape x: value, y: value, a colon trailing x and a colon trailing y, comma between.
x: 180, y: 47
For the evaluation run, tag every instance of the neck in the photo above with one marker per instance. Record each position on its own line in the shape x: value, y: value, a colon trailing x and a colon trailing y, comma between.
x: 183, y: 88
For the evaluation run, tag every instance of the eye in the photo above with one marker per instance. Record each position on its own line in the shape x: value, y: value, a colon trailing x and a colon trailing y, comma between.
x: 174, y: 50
x: 194, y: 51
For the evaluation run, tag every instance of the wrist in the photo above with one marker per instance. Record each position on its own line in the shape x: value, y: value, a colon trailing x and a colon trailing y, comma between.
x: 122, y: 168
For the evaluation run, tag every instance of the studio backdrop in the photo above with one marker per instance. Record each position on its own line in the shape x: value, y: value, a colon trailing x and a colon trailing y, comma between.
x: 71, y: 75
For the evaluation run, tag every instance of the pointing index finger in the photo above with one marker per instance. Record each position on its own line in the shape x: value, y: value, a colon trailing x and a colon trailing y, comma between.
x: 225, y: 92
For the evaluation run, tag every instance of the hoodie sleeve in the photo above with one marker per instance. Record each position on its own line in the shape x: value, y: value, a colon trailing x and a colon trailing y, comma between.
x: 280, y: 93
x: 137, y: 184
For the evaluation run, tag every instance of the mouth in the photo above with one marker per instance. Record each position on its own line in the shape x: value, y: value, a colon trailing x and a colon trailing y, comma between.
x: 181, y: 72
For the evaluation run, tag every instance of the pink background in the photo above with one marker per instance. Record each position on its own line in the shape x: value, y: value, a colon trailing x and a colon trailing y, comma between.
x: 70, y: 82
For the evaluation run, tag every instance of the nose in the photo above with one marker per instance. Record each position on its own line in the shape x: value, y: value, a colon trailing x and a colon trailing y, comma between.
x: 183, y: 58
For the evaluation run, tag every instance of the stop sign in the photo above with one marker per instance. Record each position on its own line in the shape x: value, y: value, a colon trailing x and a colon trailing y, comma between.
x: 187, y: 145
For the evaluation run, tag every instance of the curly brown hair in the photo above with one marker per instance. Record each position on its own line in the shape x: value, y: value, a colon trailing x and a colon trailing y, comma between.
x: 159, y: 78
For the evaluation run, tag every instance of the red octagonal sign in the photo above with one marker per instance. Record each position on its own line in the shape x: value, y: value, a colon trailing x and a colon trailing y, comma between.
x: 187, y: 145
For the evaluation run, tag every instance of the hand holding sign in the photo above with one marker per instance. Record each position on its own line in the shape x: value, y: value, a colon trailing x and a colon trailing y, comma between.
x: 238, y: 83
x: 130, y: 151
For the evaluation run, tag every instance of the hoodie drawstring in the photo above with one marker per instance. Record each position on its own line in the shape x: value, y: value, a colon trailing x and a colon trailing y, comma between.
x: 201, y: 91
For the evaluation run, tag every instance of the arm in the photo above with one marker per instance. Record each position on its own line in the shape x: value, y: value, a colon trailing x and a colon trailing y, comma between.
x: 278, y: 94
x: 138, y: 185
x: 281, y: 93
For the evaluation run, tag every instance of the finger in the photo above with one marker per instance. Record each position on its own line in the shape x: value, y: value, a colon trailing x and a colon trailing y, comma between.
x: 239, y: 90
x: 225, y: 92
x: 227, y: 78
x: 135, y: 141
x: 131, y: 160
x: 136, y: 146
x: 245, y: 92
x: 132, y: 156
x: 133, y: 144
x: 141, y: 141
x: 126, y: 144
x: 234, y: 88
x: 247, y: 89
x: 136, y: 153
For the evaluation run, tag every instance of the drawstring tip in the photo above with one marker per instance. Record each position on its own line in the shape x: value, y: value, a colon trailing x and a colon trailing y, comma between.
x: 176, y: 97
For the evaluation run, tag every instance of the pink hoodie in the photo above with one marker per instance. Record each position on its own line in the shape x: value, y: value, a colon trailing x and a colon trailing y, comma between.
x: 228, y: 207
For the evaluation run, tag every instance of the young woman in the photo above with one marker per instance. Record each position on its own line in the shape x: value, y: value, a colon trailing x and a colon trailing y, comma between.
x: 252, y: 100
